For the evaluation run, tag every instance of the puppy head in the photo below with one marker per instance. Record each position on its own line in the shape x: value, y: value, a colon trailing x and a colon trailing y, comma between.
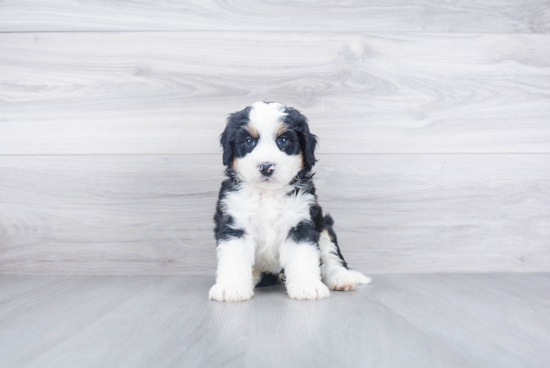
x: 267, y: 144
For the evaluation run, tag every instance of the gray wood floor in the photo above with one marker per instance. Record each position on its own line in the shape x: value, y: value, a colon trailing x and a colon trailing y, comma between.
x: 437, y: 320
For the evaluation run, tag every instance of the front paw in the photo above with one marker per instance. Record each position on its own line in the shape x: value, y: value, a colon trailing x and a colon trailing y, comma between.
x: 342, y: 281
x: 308, y: 290
x: 230, y: 293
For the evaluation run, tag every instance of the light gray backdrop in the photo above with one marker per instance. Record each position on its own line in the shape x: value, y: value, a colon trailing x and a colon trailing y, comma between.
x: 433, y: 119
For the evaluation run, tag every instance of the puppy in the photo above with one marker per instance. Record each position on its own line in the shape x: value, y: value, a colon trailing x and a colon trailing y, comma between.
x: 269, y: 226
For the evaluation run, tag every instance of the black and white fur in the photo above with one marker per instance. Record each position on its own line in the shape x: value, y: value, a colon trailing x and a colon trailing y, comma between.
x: 269, y: 226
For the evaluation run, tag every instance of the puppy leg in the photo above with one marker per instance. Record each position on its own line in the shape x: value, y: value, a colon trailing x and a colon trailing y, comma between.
x: 335, y: 273
x: 303, y: 276
x: 234, y: 279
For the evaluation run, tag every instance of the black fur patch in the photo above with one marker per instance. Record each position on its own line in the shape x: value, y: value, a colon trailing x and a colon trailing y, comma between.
x: 269, y: 279
x: 235, y: 126
x: 305, y: 232
x: 303, y: 182
x: 224, y: 223
x: 308, y: 142
x: 293, y: 143
x: 327, y: 224
x: 316, y: 214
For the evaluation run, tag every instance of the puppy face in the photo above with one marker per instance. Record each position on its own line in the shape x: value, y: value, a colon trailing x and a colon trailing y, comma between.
x: 267, y: 144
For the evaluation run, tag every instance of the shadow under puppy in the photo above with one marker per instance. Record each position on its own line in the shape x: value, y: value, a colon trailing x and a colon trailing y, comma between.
x: 269, y: 226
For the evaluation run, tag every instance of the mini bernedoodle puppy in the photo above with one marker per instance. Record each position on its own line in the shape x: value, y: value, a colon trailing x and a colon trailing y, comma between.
x: 269, y: 227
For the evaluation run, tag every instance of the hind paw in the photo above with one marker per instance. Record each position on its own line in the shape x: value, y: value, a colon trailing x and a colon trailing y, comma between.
x: 346, y: 280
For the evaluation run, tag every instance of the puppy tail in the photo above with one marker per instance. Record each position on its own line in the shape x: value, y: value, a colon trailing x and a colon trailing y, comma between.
x: 361, y: 279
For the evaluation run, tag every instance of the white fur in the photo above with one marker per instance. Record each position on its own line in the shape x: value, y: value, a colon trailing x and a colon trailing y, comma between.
x: 303, y: 277
x: 234, y: 281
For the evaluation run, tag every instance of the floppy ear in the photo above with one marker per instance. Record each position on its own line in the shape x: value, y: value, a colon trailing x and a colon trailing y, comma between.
x: 308, y: 141
x: 308, y: 146
x: 227, y: 146
x: 227, y: 139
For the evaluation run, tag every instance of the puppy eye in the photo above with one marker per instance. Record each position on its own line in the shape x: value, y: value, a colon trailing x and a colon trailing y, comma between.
x: 250, y: 142
x: 282, y: 141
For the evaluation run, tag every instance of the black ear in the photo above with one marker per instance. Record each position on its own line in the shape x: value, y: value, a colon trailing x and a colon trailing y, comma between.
x: 308, y: 141
x: 227, y: 138
x: 227, y: 146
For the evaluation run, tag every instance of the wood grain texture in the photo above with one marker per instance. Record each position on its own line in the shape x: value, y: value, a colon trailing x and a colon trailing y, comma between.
x: 394, y: 213
x: 505, y: 16
x: 458, y: 320
x: 159, y: 93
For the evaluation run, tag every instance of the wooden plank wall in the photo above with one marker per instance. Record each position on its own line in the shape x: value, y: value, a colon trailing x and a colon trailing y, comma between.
x: 433, y: 117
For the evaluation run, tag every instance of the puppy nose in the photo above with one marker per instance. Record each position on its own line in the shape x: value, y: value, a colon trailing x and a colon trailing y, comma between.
x: 267, y: 168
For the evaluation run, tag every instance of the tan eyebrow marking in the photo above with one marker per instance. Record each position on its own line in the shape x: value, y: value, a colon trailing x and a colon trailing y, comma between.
x: 252, y: 130
x: 281, y: 129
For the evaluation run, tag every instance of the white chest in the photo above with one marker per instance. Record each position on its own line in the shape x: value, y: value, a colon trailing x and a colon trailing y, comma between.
x: 267, y: 216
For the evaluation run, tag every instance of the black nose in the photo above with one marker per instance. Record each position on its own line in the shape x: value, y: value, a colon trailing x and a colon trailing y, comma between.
x: 267, y: 168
